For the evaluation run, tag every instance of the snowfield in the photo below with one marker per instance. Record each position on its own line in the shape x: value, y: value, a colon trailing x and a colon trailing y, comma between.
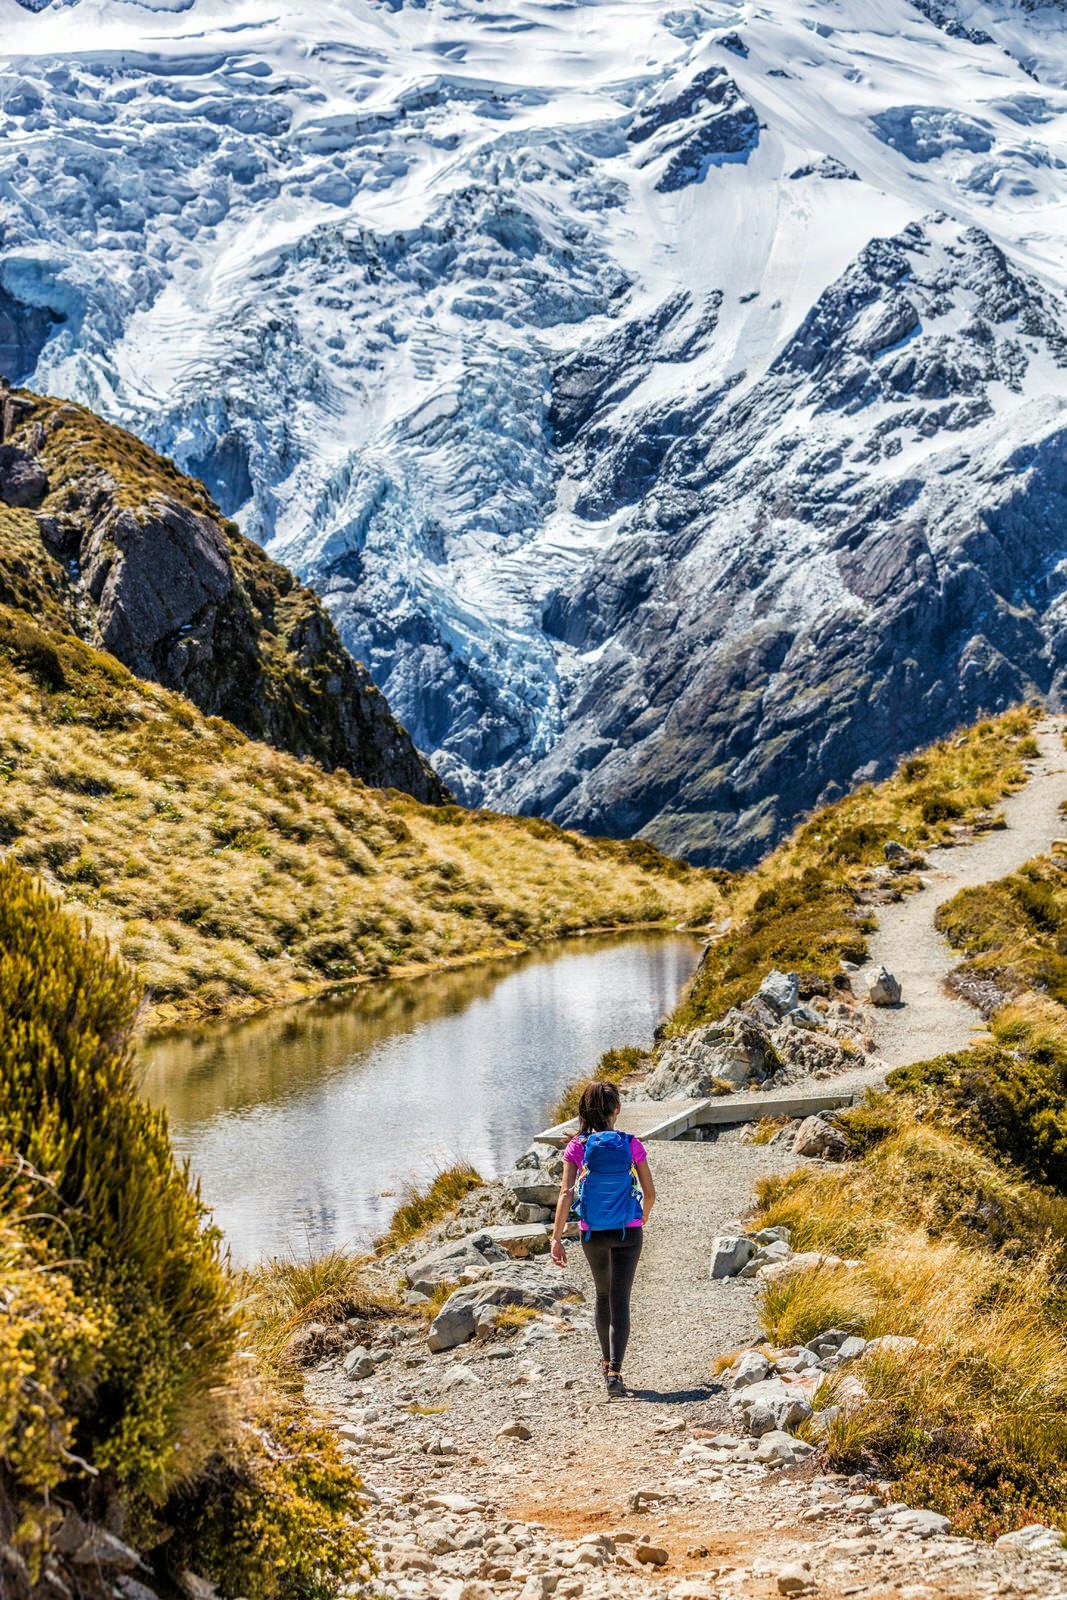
x: 549, y: 342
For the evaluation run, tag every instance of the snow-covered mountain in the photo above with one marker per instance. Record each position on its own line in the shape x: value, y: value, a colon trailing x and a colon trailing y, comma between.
x: 668, y: 401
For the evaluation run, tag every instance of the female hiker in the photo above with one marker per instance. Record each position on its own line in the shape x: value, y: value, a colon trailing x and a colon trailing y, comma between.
x: 606, y: 1175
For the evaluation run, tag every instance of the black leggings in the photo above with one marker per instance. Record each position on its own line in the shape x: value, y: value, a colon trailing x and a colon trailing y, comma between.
x: 613, y: 1263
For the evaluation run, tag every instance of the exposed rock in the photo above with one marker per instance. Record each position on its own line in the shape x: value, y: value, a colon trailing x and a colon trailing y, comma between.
x: 819, y: 1138
x: 771, y: 1405
x: 781, y: 1448
x: 533, y: 1187
x: 652, y: 1555
x: 145, y: 567
x: 359, y: 1363
x: 900, y: 858
x: 766, y: 1255
x: 804, y: 1052
x: 457, y: 1321
x: 728, y: 1054
x: 752, y: 1367
x: 449, y: 1261
x: 795, y: 1579
x: 23, y: 480
x: 924, y: 1524
x: 522, y: 1241
x: 893, y: 1344
x: 729, y: 1253
x: 1035, y: 1539
x: 802, y: 1261
x: 515, y: 1430
x: 883, y: 989
x: 780, y: 991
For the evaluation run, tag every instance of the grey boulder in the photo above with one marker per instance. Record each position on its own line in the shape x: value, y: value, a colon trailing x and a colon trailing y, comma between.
x: 23, y: 481
x: 459, y: 1317
x: 729, y: 1054
x: 730, y: 1253
x: 819, y: 1138
x: 452, y: 1260
x: 924, y: 1524
x: 882, y: 988
x: 780, y: 991
x: 770, y: 1405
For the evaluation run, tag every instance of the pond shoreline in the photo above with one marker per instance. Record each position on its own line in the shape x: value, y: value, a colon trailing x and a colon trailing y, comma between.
x: 165, y: 1020
x: 306, y: 1125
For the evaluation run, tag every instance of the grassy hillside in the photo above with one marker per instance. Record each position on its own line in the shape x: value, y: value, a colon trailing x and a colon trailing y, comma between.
x: 122, y: 549
x: 233, y: 876
x: 954, y: 1204
x: 809, y: 903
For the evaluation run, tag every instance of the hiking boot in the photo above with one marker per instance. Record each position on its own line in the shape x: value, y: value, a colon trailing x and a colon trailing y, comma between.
x: 616, y: 1387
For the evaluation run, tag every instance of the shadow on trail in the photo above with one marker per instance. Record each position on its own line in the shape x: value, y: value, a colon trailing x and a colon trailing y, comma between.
x: 676, y: 1397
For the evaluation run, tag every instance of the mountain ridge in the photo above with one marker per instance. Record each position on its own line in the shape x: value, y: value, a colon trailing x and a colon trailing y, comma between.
x: 465, y: 334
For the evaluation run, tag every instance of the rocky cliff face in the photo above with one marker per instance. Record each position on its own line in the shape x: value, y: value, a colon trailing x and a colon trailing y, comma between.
x: 862, y: 548
x: 136, y: 559
x: 666, y: 411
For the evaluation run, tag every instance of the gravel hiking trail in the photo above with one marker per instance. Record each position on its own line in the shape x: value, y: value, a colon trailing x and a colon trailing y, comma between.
x: 576, y: 1475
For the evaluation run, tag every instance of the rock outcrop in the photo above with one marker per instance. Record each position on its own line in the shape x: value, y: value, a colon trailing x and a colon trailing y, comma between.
x: 143, y: 566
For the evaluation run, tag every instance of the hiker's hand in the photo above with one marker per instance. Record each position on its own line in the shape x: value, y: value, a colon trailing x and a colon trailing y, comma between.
x: 558, y: 1254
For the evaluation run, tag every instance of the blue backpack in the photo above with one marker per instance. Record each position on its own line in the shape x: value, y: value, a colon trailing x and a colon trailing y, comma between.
x: 607, y: 1193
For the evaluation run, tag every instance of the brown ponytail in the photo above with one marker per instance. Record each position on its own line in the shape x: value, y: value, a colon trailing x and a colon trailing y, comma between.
x: 599, y: 1103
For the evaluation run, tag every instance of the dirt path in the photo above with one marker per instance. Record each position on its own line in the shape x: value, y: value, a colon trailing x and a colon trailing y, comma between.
x: 932, y: 1021
x: 427, y: 1427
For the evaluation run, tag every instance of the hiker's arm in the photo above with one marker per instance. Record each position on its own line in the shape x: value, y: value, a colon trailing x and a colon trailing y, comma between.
x: 563, y: 1211
x: 648, y: 1189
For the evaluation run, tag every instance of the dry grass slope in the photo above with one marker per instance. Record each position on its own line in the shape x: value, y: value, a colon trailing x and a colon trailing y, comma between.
x: 233, y: 876
x: 955, y: 1205
x: 800, y: 908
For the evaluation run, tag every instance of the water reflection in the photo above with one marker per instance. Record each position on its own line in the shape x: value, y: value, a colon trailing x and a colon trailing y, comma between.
x: 304, y: 1124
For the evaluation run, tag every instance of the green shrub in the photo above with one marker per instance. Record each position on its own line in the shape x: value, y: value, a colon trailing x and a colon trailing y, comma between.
x: 276, y: 1520
x: 127, y: 1217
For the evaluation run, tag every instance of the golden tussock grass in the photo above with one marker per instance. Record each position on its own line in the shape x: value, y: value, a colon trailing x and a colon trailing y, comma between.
x: 233, y: 876
x: 286, y: 1293
x: 799, y: 909
x: 968, y: 1259
x: 421, y: 1208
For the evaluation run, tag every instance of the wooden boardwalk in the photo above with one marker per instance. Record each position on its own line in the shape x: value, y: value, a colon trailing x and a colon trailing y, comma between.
x: 673, y: 1119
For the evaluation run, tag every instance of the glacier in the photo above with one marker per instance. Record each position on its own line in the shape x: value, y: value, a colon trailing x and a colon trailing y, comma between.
x: 667, y: 402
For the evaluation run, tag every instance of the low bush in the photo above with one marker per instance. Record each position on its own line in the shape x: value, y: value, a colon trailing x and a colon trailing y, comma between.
x: 119, y: 1322
x: 276, y: 1517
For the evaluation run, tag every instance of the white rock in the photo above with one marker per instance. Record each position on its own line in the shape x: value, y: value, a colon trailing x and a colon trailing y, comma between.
x: 924, y: 1524
x: 780, y: 1446
x: 359, y: 1363
x: 891, y: 1344
x: 752, y: 1367
x: 795, y: 1579
x: 882, y: 988
x: 1034, y: 1539
x: 802, y: 1261
x: 780, y: 990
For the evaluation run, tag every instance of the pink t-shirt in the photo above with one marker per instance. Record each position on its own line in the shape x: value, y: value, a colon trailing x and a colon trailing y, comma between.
x: 575, y: 1154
